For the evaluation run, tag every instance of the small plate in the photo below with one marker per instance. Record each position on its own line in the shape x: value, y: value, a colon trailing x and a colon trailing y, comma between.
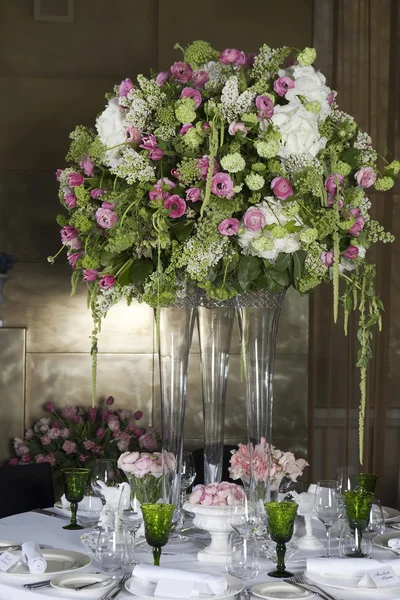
x: 145, y: 589
x: 280, y: 590
x: 382, y: 539
x: 59, y: 562
x: 66, y: 585
x: 392, y: 514
x: 345, y: 582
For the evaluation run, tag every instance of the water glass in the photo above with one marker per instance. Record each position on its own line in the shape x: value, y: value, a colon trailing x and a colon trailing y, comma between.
x: 354, y: 542
x: 132, y: 518
x: 327, y: 507
x: 112, y: 551
x: 244, y: 519
x: 243, y: 560
x: 376, y: 523
x: 104, y: 470
x: 188, y: 473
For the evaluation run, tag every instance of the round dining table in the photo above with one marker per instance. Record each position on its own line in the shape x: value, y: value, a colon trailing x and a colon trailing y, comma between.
x: 48, y: 531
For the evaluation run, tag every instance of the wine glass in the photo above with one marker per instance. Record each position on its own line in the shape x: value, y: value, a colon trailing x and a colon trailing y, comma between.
x: 157, y: 525
x: 74, y: 486
x: 104, y: 470
x: 376, y: 523
x: 327, y: 507
x: 131, y: 516
x: 188, y: 473
x: 368, y: 482
x: 243, y: 559
x: 347, y: 479
x: 281, y: 516
x: 244, y: 519
x: 112, y: 551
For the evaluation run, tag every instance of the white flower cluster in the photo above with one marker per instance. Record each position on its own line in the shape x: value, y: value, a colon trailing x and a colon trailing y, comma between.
x: 215, y: 72
x: 199, y: 257
x: 139, y: 113
x: 308, y: 84
x: 111, y: 128
x: 299, y: 130
x: 134, y: 167
x: 338, y: 116
x: 233, y: 104
x: 298, y: 162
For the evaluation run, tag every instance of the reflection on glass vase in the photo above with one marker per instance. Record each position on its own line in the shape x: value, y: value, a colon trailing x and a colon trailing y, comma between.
x: 215, y: 322
x: 174, y: 326
x: 258, y: 314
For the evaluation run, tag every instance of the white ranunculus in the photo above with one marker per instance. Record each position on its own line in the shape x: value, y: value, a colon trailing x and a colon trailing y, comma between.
x: 310, y: 84
x: 299, y: 130
x: 111, y: 128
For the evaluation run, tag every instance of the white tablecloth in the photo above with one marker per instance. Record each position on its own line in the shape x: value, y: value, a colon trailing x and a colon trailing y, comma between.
x: 48, y: 531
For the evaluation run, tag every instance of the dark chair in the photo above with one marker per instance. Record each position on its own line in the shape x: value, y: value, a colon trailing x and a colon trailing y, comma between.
x: 25, y: 487
x: 198, y: 456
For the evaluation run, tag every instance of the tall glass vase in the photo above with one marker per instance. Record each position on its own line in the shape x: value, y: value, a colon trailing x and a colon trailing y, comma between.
x: 215, y: 322
x: 258, y: 314
x: 174, y: 326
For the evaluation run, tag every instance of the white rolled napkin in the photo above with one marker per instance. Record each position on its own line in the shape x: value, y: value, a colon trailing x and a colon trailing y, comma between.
x: 33, y: 557
x: 204, y: 583
x: 394, y: 543
x: 88, y: 503
x: 349, y: 566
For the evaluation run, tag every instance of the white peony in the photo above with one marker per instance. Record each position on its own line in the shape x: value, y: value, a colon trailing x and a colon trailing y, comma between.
x: 310, y: 84
x: 299, y: 130
x: 111, y: 128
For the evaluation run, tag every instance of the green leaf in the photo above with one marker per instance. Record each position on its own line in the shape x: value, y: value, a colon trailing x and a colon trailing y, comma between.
x: 372, y: 320
x: 298, y: 264
x: 248, y: 271
x: 123, y: 276
x: 140, y: 271
x: 350, y: 156
x: 272, y: 285
x: 108, y: 258
x: 282, y: 262
x: 182, y: 232
x: 282, y: 278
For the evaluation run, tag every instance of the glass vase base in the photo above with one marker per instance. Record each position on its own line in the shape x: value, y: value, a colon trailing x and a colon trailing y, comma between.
x: 73, y: 527
x: 280, y: 574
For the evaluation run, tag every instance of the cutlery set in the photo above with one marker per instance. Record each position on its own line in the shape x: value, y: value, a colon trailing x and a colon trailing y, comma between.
x: 299, y: 580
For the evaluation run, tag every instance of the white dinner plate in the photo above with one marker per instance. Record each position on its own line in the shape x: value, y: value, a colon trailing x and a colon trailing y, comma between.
x: 59, y: 562
x: 145, y: 589
x: 280, y: 590
x: 66, y: 585
x: 392, y: 514
x: 382, y: 539
x: 344, y: 582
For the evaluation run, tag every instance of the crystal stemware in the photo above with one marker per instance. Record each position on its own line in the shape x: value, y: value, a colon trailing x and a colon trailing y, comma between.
x: 347, y: 479
x: 376, y: 523
x: 368, y: 482
x: 157, y: 524
x: 358, y: 508
x: 244, y: 519
x: 188, y: 474
x: 327, y: 507
x: 131, y: 516
x: 281, y: 516
x: 112, y: 551
x: 243, y: 559
x: 104, y: 470
x: 75, y: 481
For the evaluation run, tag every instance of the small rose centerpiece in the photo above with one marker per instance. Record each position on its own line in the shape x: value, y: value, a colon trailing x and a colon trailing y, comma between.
x: 144, y: 472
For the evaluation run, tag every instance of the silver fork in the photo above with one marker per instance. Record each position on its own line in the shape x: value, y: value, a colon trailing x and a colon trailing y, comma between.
x: 301, y: 581
x: 116, y: 589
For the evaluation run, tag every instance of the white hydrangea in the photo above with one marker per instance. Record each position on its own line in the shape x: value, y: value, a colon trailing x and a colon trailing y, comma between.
x: 299, y: 130
x: 214, y: 71
x: 252, y: 241
x: 309, y: 84
x: 111, y: 128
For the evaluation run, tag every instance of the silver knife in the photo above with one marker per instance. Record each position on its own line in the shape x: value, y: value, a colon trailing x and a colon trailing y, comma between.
x: 49, y: 513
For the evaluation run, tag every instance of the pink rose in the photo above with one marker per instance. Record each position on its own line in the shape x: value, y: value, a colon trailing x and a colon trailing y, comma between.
x: 331, y: 181
x: 232, y: 56
x: 156, y: 154
x: 189, y: 92
x: 254, y: 219
x: 162, y: 78
x: 185, y: 128
x: 156, y: 468
x: 142, y: 466
x: 125, y: 87
x: 70, y: 200
x: 106, y: 282
x: 75, y: 179
x: 177, y: 204
x: 133, y: 135
x: 59, y: 172
x: 182, y: 72
x: 138, y: 415
x: 211, y: 488
x: 73, y: 258
x: 229, y: 227
x: 351, y: 252
x: 69, y: 447
x: 222, y: 185
x: 203, y: 165
x: 234, y: 127
x: 90, y: 274
x: 97, y: 193
x: 69, y: 237
x: 365, y: 177
x: 265, y: 106
x: 54, y: 433
x: 282, y: 188
x: 193, y: 194
x: 45, y: 440
x: 282, y: 85
x: 49, y: 406
x: 14, y: 461
x: 224, y: 489
x: 206, y: 499
x: 236, y: 497
x: 106, y: 218
x: 199, y: 79
x: 87, y: 166
x: 359, y: 222
x: 196, y: 494
x: 100, y: 433
x: 148, y: 442
x: 327, y: 258
x: 127, y: 460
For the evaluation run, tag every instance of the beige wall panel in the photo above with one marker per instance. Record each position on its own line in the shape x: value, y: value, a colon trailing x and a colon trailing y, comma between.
x: 12, y: 387
x: 38, y: 297
x: 233, y: 23
x: 106, y: 39
x: 66, y: 380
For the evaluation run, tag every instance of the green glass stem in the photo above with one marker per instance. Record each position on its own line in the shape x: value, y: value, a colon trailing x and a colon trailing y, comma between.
x: 157, y: 555
x: 74, y: 508
x: 280, y: 554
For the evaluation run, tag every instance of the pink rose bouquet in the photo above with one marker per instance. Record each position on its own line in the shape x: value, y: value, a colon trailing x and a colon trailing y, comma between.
x: 218, y: 494
x: 144, y: 470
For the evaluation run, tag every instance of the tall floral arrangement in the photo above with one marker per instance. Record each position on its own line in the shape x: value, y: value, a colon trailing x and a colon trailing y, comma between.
x: 227, y: 173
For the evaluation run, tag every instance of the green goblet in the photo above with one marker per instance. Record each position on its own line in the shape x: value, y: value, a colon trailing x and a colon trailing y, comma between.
x: 157, y: 524
x: 358, y: 508
x: 368, y: 482
x: 75, y: 481
x: 281, y: 516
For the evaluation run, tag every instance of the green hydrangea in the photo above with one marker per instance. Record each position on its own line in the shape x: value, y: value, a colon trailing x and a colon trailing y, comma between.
x: 234, y: 147
x: 82, y: 195
x: 290, y: 209
x: 82, y: 223
x: 89, y: 262
x: 258, y: 167
x: 233, y: 163
x: 184, y: 110
x: 262, y: 87
x: 354, y: 196
x: 383, y: 184
x: 192, y: 139
x: 262, y: 244
x: 343, y: 168
x: 82, y: 138
x: 307, y: 57
x: 326, y: 128
x: 62, y: 220
x: 309, y: 180
x: 325, y: 221
x: 393, y: 167
x: 275, y: 167
x: 307, y: 283
x: 188, y: 171
x: 254, y: 181
x: 313, y: 107
x: 267, y: 149
x: 198, y: 53
x: 250, y: 119
x: 278, y: 232
x: 121, y: 240
x: 97, y: 151
x: 221, y: 292
x: 166, y: 116
x: 308, y: 236
x: 238, y: 188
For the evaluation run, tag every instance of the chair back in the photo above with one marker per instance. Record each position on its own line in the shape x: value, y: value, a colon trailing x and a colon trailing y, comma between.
x: 25, y: 487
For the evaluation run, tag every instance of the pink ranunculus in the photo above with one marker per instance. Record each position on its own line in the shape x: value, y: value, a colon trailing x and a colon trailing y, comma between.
x: 90, y: 274
x: 234, y: 127
x: 254, y: 219
x: 196, y: 494
x: 264, y: 104
x: 358, y: 224
x: 133, y: 135
x: 91, y: 414
x: 327, y: 258
x: 125, y: 87
x: 148, y: 442
x: 222, y: 185
x: 351, y: 252
x: 45, y: 440
x: 107, y: 281
x: 73, y: 258
x: 283, y: 84
x: 75, y: 179
x: 97, y: 193
x: 142, y: 466
x: 68, y: 412
x: 49, y: 406
x: 89, y: 444
x: 106, y: 218
x: 138, y: 415
x: 70, y: 200
x: 193, y: 194
x: 177, y: 204
x: 83, y: 458
x: 331, y: 200
x: 87, y: 166
x: 182, y: 72
x: 203, y: 165
x: 282, y: 188
x: 50, y: 458
x: 365, y: 177
x: 156, y: 154
x: 13, y: 462
x: 69, y: 447
x: 162, y: 78
x: 127, y: 460
x: 189, y: 92
x: 65, y: 433
x: 59, y: 172
x: 330, y: 98
x: 206, y: 499
x: 199, y: 79
x: 229, y: 227
x: 232, y: 56
x: 333, y: 182
x: 185, y: 128
x: 156, y: 468
x: 54, y: 433
x: 69, y: 237
x: 250, y: 59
